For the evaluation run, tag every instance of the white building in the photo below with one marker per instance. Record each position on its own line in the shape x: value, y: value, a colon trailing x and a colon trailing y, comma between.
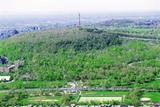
x: 5, y: 78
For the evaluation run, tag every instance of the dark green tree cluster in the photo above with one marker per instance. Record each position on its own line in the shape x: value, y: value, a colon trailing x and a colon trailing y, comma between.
x: 92, y: 41
x: 13, y: 99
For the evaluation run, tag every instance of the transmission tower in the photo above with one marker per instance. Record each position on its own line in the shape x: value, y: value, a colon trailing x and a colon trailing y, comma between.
x: 79, y: 18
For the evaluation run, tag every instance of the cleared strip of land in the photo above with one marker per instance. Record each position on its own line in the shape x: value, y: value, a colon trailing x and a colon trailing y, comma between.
x: 101, y: 99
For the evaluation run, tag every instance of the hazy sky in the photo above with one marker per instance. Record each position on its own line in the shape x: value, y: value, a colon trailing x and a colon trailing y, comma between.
x: 8, y: 7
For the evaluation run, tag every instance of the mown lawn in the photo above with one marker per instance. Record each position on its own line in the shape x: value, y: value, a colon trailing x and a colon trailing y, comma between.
x: 31, y: 84
x: 104, y: 93
x: 2, y: 94
x: 151, y: 85
x: 44, y: 99
x: 101, y: 99
x: 155, y: 96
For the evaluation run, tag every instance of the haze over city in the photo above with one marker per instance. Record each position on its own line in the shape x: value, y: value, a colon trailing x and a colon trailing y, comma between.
x: 29, y: 7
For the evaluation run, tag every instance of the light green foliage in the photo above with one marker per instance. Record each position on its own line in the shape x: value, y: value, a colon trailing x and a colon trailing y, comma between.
x: 133, y: 97
x: 13, y: 99
x: 113, y: 65
x: 31, y: 84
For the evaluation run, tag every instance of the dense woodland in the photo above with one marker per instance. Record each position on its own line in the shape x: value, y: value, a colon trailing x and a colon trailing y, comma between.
x: 98, y: 58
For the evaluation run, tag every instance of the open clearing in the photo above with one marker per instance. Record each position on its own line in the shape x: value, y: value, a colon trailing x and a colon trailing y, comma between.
x: 44, y: 99
x: 101, y: 99
x: 48, y: 100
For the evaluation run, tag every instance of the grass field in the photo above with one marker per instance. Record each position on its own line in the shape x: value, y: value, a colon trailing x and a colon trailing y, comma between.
x: 102, y: 96
x: 2, y: 94
x: 103, y: 93
x: 87, y: 96
x: 31, y: 84
x: 101, y: 99
x: 41, y: 100
x: 154, y: 96
x: 151, y: 85
x: 44, y: 99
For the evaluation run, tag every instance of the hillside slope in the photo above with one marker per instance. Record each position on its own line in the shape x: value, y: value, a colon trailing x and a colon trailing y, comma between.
x: 72, y: 54
x: 45, y: 52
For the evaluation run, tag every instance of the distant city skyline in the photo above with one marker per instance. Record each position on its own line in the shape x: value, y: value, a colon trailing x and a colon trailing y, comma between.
x: 22, y: 7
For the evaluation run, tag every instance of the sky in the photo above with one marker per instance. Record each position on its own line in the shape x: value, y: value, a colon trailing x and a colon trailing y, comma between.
x: 19, y: 7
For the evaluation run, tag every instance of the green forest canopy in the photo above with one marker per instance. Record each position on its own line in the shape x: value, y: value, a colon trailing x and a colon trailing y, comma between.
x: 72, y: 54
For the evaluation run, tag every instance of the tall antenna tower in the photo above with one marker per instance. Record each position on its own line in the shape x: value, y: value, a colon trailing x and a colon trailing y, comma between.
x: 79, y: 18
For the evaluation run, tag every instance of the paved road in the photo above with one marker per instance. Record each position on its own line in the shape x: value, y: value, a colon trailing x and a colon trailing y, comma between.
x: 142, y: 39
x: 138, y: 37
x: 79, y: 89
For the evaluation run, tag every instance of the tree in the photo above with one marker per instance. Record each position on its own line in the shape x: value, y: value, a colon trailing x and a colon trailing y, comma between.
x: 66, y: 99
x: 13, y: 98
x: 133, y: 97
